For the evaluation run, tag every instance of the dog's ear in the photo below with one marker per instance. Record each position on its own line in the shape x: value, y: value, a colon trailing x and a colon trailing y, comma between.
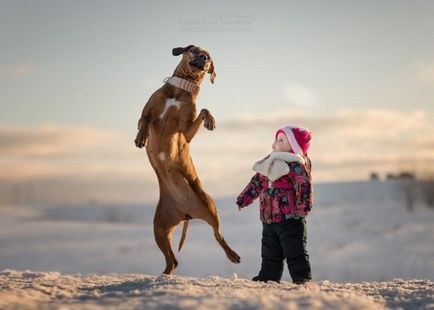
x: 179, y: 50
x: 212, y: 72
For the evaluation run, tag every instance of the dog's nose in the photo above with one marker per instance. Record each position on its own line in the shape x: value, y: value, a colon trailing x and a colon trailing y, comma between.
x: 202, y: 57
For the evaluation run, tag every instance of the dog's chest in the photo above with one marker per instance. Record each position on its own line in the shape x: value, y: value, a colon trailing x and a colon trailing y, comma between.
x: 176, y: 111
x: 171, y: 104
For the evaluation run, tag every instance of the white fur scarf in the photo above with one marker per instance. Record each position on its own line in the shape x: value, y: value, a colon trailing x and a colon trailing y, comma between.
x: 275, y: 165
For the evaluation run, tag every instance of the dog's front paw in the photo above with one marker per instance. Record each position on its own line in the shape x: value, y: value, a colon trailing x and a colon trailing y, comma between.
x: 141, y: 139
x: 208, y: 119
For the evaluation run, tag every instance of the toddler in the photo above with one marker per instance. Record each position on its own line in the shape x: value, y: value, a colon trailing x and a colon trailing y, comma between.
x: 284, y: 186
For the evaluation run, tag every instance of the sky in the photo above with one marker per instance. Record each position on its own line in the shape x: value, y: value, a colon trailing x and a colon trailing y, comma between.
x: 75, y: 75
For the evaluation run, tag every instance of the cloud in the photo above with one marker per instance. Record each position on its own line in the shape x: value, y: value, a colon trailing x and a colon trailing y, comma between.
x: 274, y: 119
x: 299, y: 95
x: 51, y: 140
x: 50, y: 150
x: 359, y: 122
x: 18, y: 71
x: 353, y: 142
x: 347, y: 145
x: 51, y: 164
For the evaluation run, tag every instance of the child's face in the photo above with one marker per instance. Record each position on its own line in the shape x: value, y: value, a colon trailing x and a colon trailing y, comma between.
x: 281, y: 144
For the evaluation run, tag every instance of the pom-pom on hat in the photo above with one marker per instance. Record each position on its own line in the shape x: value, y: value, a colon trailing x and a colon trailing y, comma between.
x: 299, y: 138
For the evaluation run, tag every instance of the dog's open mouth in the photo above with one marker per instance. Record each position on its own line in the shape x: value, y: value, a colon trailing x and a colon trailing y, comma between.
x: 198, y: 64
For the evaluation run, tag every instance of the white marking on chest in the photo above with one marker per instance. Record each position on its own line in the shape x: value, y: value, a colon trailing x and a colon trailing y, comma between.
x: 170, y: 102
x: 162, y: 156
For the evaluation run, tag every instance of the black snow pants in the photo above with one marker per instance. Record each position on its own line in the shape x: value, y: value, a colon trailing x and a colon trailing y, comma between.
x: 285, y: 240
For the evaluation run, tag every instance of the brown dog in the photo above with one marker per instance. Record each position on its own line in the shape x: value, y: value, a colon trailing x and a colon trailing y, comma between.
x: 167, y: 125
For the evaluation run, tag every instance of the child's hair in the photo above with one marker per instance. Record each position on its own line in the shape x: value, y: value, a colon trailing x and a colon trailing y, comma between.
x: 299, y: 138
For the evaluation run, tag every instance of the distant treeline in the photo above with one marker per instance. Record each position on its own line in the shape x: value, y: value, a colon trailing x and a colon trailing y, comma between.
x: 393, y: 176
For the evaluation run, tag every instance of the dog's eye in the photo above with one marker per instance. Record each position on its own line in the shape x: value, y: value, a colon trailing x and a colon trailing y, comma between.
x: 194, y: 51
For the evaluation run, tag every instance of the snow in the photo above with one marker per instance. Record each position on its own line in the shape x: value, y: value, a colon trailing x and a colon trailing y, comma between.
x: 31, y: 290
x: 367, y: 252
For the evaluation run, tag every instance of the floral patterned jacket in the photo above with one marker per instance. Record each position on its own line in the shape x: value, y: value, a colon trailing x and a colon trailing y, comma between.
x: 290, y: 196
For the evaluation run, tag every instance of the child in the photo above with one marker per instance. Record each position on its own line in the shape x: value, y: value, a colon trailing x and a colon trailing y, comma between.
x: 283, y: 183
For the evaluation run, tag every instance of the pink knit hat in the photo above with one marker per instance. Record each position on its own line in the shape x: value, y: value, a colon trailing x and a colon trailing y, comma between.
x: 299, y: 138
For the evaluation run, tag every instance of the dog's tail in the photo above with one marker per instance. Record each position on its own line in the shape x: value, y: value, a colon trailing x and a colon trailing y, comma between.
x: 184, y: 232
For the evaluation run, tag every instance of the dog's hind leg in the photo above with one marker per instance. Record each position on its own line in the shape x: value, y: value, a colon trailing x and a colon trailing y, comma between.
x: 214, y: 222
x: 163, y: 237
x: 231, y: 254
x: 207, y: 211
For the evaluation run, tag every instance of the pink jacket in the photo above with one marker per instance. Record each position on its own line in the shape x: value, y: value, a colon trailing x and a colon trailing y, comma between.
x: 290, y: 196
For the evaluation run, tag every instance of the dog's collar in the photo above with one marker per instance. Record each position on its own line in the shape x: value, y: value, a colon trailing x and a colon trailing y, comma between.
x: 183, y: 84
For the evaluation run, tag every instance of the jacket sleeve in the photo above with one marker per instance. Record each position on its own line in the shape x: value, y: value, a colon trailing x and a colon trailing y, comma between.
x: 251, y: 192
x: 302, y: 182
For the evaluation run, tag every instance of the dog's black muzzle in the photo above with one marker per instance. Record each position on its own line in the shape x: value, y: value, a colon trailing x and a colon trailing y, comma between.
x: 199, y: 62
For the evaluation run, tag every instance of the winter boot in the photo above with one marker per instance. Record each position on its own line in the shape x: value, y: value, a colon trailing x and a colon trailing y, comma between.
x: 258, y: 278
x: 300, y: 281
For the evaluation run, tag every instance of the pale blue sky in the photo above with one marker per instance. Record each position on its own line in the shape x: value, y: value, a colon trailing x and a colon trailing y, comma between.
x: 95, y: 62
x: 359, y: 73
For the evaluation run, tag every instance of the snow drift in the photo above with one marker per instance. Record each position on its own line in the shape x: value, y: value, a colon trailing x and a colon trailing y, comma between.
x: 51, y: 290
x: 104, y: 256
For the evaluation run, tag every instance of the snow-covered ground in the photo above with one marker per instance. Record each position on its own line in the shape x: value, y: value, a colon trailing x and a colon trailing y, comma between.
x: 357, y: 232
x: 51, y: 290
